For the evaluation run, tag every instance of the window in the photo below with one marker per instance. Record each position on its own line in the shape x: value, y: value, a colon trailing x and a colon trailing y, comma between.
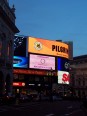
x: 79, y: 81
x: 8, y: 50
x: 83, y: 81
x: 0, y: 48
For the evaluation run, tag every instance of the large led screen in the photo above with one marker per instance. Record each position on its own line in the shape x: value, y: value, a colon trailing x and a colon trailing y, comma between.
x: 48, y: 47
x: 63, y: 77
x: 20, y: 46
x: 42, y: 62
x: 20, y: 62
x: 63, y: 64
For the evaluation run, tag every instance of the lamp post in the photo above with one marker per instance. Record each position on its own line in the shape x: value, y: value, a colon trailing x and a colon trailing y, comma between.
x: 50, y: 80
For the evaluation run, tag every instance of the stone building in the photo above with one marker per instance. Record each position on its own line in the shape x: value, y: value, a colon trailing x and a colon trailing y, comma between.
x: 7, y: 31
x: 78, y: 76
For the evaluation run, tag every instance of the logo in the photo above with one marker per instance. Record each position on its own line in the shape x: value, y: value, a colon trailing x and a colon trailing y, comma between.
x: 65, y: 77
x: 67, y: 65
x: 16, y: 61
x: 38, y: 45
x: 42, y: 61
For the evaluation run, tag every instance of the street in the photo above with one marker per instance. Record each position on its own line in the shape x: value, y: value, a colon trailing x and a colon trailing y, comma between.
x: 57, y: 108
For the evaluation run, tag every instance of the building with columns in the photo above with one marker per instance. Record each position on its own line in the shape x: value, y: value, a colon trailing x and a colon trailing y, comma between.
x: 7, y: 32
x: 78, y: 76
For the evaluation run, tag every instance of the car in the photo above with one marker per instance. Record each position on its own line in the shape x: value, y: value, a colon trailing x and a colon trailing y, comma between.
x: 85, y: 102
x: 57, y: 98
x: 44, y: 98
x: 23, y: 98
x: 33, y: 97
x: 7, y: 99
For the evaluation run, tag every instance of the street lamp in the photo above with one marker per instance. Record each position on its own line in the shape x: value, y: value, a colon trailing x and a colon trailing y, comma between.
x: 50, y: 82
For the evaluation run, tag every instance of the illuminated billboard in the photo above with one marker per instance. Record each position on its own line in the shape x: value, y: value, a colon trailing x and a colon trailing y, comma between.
x: 48, y: 47
x: 63, y: 64
x: 41, y: 62
x: 63, y: 77
x: 20, y: 62
x: 20, y: 46
x: 18, y: 84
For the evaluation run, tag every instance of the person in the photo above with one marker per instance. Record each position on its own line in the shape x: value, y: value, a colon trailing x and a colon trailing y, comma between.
x: 17, y: 97
x: 40, y: 96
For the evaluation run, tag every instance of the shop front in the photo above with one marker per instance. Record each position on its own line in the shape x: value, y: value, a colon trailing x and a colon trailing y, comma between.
x: 32, y: 81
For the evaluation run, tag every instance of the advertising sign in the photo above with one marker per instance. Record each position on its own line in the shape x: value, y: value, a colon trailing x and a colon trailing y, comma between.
x: 18, y: 84
x: 48, y: 47
x: 32, y: 72
x: 63, y: 77
x: 41, y: 62
x: 20, y: 46
x: 20, y: 62
x: 63, y: 64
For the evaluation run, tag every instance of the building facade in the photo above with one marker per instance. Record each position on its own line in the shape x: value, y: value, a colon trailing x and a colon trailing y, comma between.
x: 78, y: 76
x: 40, y: 64
x: 7, y: 31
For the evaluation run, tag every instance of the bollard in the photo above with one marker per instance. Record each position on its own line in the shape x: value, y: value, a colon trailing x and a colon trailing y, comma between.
x: 17, y: 101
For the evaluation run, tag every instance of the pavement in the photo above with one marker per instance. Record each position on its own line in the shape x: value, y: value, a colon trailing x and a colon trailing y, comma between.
x: 84, y: 108
x: 18, y: 104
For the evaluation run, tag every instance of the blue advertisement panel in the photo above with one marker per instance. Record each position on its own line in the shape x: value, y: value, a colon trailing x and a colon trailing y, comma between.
x: 20, y: 62
x: 62, y: 64
x: 20, y: 58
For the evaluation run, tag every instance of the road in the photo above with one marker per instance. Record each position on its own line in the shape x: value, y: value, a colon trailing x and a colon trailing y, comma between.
x: 57, y: 108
